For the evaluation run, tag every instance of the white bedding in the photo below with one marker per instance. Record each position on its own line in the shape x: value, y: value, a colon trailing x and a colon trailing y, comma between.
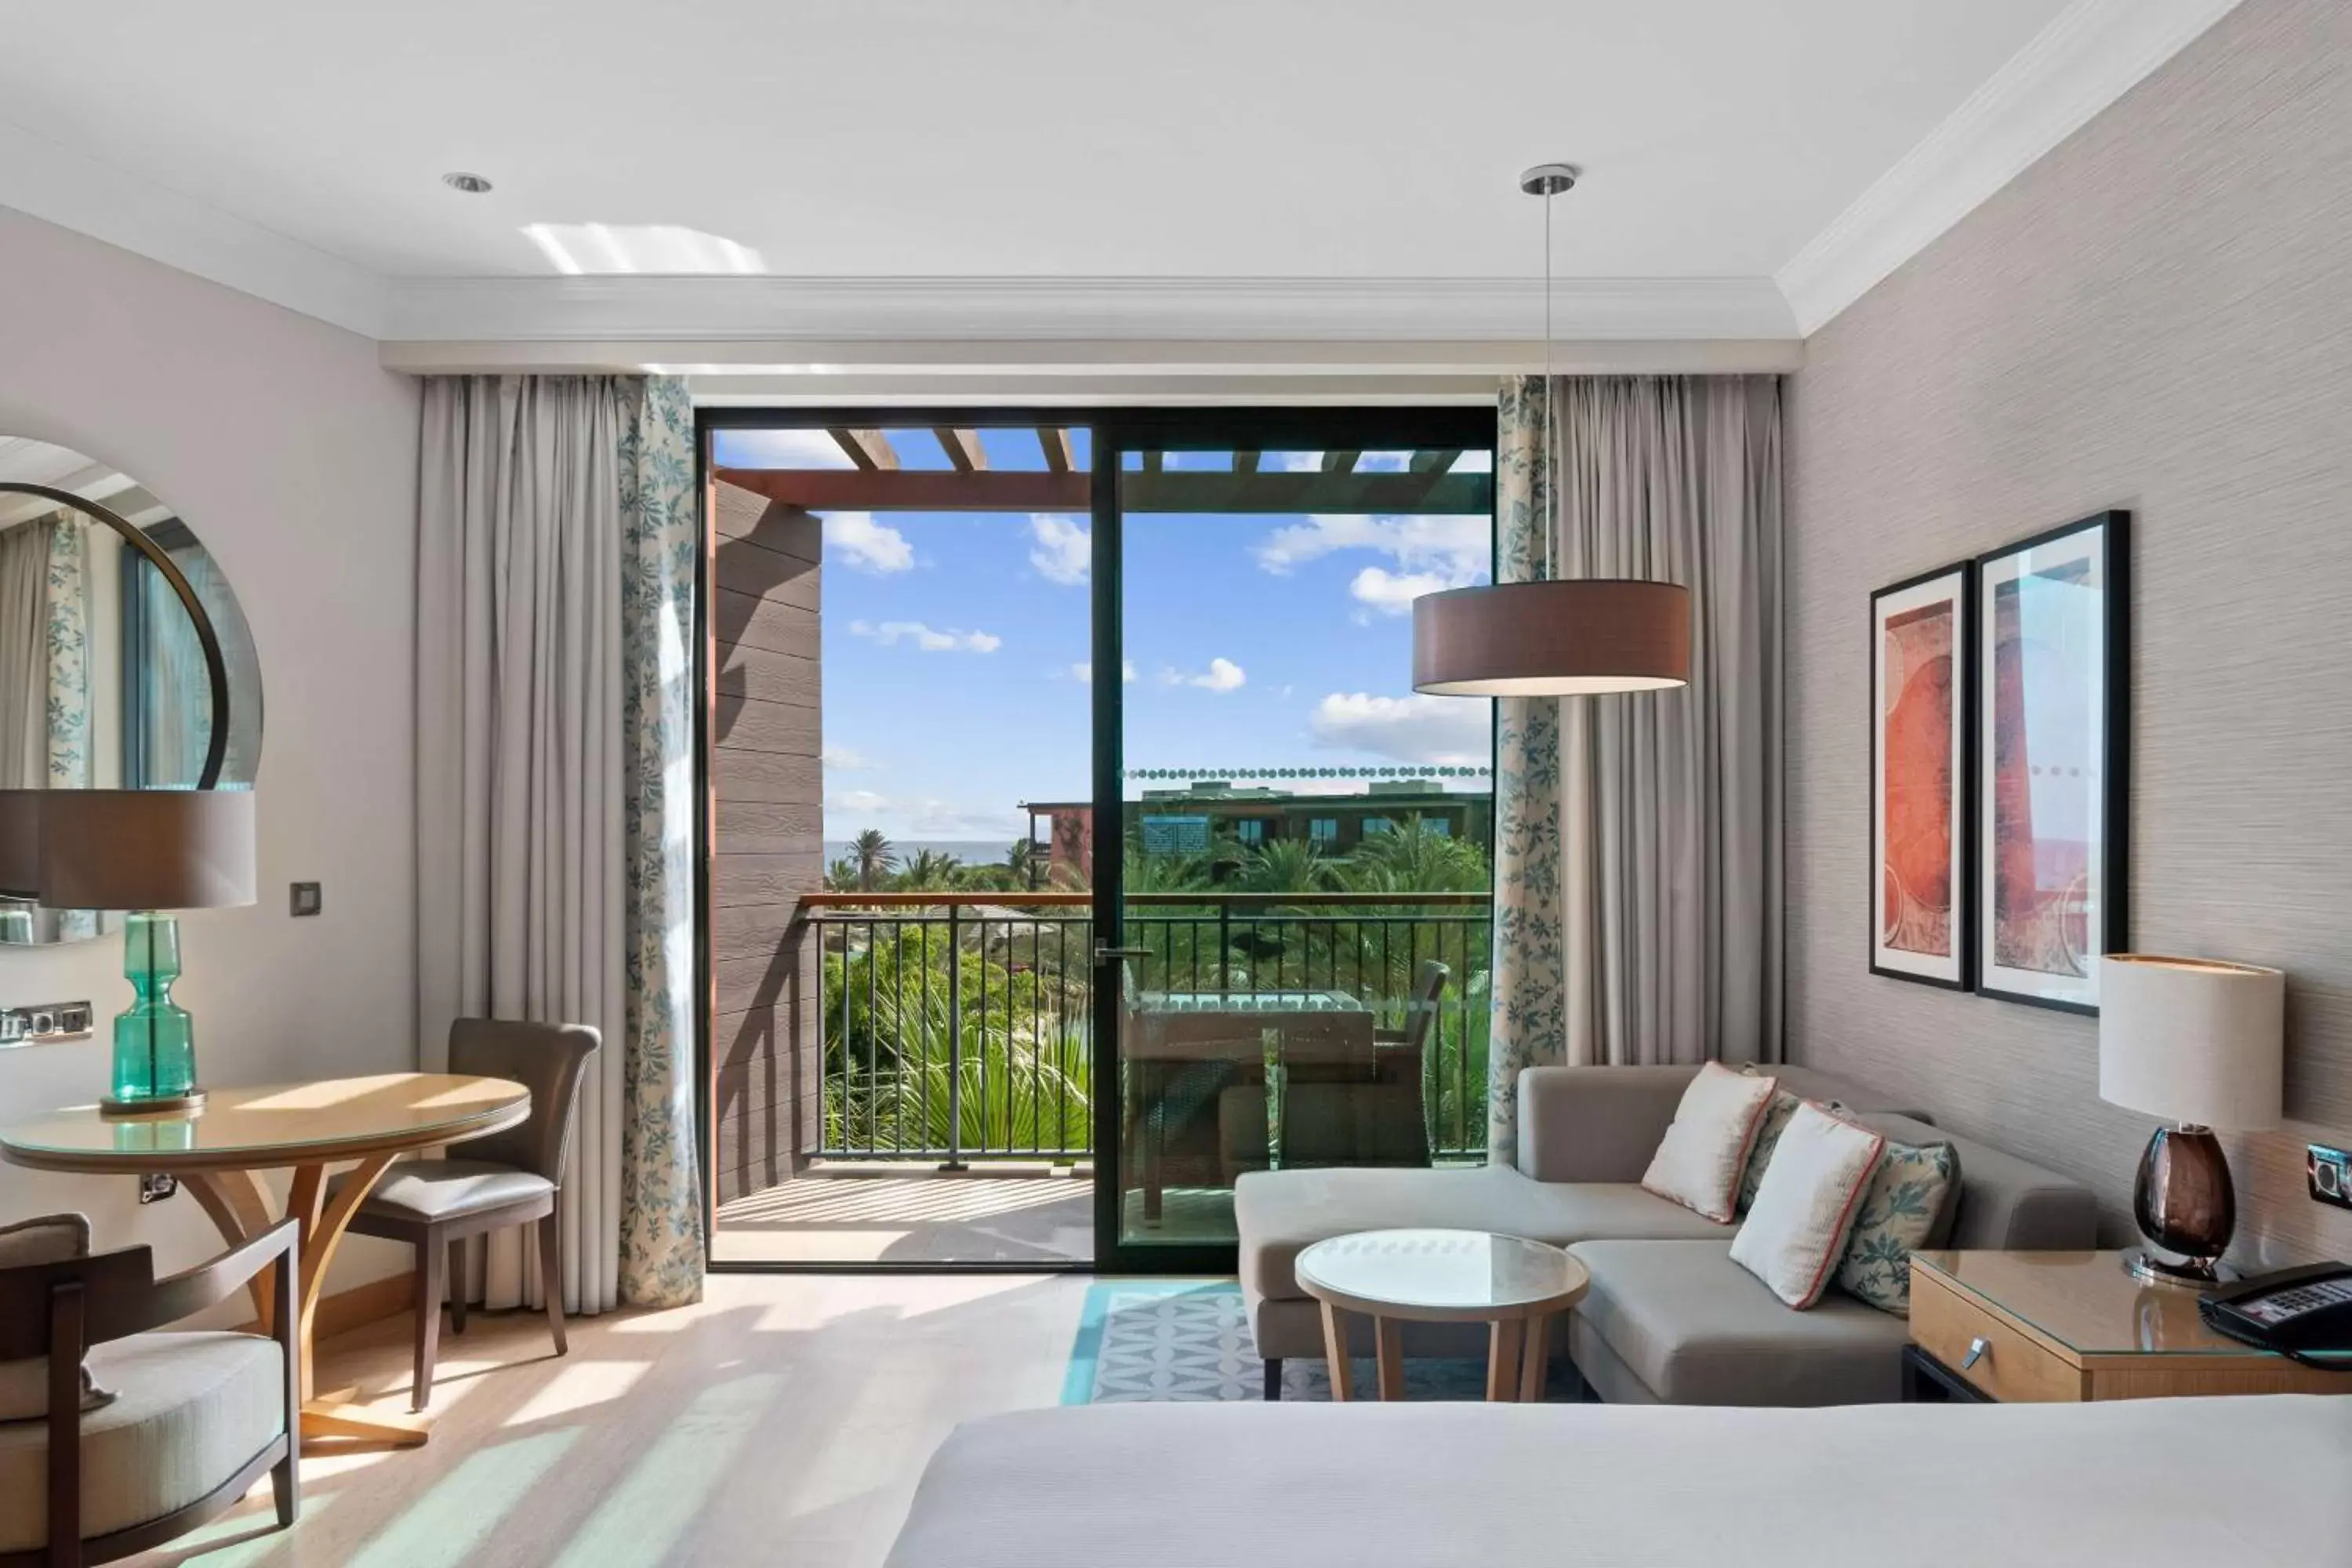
x: 2228, y: 1483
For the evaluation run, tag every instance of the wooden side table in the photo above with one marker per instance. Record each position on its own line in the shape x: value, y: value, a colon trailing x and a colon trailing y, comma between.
x: 1396, y: 1277
x: 2074, y: 1326
x: 219, y: 1153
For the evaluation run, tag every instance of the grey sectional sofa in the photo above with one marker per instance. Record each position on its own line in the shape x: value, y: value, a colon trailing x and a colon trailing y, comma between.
x: 1670, y: 1318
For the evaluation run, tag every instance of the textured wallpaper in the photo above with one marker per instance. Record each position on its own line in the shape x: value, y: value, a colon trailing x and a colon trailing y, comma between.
x: 2158, y: 316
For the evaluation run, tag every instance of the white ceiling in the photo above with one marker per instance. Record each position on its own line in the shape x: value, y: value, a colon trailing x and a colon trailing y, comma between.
x: 1294, y: 141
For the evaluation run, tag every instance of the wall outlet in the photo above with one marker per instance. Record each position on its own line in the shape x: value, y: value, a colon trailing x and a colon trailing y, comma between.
x: 157, y: 1185
x: 44, y: 1025
x: 2330, y: 1171
x: 304, y: 899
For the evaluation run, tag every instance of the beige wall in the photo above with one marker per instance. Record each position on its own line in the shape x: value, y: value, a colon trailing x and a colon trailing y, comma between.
x: 2158, y: 316
x: 293, y: 457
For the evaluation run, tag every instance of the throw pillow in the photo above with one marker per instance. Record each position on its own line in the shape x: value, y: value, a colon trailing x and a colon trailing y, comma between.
x: 1768, y: 1133
x: 25, y: 1385
x: 1805, y: 1208
x: 1698, y: 1162
x: 1910, y: 1194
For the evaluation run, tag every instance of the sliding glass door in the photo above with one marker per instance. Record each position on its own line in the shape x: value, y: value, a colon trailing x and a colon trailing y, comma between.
x: 1290, y: 849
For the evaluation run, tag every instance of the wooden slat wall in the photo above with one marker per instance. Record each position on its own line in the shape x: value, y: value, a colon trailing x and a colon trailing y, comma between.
x: 767, y: 837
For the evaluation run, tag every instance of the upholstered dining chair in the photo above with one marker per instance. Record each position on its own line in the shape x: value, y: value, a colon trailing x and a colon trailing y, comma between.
x: 115, y: 1438
x: 513, y: 1177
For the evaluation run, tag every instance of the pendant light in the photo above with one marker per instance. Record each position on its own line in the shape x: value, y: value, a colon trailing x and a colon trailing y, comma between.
x: 1554, y: 637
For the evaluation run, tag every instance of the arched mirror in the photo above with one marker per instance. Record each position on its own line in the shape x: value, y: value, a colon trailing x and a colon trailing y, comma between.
x: 125, y: 662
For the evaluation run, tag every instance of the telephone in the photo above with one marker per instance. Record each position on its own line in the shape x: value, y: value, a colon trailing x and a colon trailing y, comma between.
x: 2296, y: 1312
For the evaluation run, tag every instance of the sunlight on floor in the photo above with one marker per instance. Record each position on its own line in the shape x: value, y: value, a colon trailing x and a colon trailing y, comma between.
x: 914, y: 1218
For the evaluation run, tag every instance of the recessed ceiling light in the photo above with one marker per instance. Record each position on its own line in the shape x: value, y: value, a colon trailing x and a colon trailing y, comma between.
x: 472, y: 184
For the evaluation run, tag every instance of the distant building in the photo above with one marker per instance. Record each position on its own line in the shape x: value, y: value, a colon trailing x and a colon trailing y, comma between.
x: 1188, y: 821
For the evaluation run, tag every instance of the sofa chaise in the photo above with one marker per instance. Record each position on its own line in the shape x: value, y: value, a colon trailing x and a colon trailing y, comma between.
x: 1669, y: 1318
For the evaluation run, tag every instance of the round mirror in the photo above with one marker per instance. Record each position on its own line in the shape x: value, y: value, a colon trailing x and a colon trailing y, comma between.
x: 125, y: 662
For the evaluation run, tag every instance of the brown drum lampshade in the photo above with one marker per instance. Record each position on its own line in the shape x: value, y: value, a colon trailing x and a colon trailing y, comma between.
x: 127, y: 849
x: 1570, y: 636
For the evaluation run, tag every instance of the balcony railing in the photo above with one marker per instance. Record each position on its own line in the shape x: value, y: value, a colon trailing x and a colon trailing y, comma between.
x: 960, y: 1026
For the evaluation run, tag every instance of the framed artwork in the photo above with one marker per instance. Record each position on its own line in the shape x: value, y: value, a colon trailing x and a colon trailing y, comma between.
x: 2052, y: 693
x: 1922, y: 670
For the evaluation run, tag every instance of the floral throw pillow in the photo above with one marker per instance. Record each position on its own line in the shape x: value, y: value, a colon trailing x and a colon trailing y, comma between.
x: 1912, y: 1190
x: 1768, y: 1133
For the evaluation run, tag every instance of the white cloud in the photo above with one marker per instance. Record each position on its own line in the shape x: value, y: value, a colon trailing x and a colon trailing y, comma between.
x: 1451, y: 732
x: 778, y: 450
x: 868, y: 545
x: 889, y: 634
x: 846, y: 759
x: 1453, y: 550
x: 1084, y: 670
x: 860, y: 800
x: 903, y: 817
x: 1065, y: 549
x: 1392, y: 592
x: 1222, y: 676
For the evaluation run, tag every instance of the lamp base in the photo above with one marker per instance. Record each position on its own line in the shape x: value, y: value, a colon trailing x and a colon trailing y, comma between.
x: 2192, y: 1274
x: 189, y: 1103
x: 2185, y: 1203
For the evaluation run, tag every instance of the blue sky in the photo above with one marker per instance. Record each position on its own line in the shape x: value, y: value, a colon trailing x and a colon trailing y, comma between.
x: 957, y: 646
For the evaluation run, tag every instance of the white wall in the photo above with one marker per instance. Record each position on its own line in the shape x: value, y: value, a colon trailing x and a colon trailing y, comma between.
x: 293, y: 457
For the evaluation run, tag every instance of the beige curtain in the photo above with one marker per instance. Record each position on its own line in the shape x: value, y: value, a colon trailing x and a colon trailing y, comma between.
x: 1670, y: 804
x: 519, y: 823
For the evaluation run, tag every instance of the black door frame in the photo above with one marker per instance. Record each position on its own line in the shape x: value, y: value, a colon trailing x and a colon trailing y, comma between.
x: 1114, y: 431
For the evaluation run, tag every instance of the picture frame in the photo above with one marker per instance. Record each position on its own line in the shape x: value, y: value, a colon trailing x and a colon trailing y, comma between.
x: 1922, y: 772
x: 2052, y: 706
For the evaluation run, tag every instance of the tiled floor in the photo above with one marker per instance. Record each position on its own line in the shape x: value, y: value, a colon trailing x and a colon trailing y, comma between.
x: 783, y: 1420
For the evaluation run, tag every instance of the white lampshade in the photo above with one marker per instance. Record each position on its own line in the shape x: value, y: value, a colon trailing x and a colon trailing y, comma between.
x: 2193, y: 1040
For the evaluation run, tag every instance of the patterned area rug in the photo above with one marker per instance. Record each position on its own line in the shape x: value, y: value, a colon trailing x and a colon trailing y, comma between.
x: 1166, y: 1340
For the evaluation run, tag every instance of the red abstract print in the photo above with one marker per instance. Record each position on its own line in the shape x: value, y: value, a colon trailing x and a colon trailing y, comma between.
x: 1917, y: 863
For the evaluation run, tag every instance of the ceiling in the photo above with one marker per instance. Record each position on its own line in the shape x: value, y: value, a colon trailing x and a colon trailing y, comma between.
x: 1294, y: 143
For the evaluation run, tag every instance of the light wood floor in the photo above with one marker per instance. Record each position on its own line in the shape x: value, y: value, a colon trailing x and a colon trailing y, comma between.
x: 926, y: 1218
x: 783, y: 1420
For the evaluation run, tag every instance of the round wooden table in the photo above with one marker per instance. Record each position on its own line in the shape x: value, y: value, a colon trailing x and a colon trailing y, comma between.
x: 1396, y: 1277
x: 219, y: 1153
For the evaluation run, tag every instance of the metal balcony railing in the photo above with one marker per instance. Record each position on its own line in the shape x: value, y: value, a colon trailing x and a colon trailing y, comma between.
x: 960, y: 1026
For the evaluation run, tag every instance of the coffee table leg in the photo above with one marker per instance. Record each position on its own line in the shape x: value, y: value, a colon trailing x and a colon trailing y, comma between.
x: 1335, y: 1353
x: 1503, y: 1360
x: 1535, y: 1365
x: 1388, y: 1336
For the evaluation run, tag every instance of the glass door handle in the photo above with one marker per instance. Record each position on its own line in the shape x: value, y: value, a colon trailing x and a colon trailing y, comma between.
x: 1108, y: 954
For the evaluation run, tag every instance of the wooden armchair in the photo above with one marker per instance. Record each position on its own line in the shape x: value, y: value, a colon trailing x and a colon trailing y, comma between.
x: 194, y: 1418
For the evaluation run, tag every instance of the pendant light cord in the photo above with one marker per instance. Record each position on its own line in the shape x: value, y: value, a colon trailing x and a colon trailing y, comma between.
x: 1550, y: 415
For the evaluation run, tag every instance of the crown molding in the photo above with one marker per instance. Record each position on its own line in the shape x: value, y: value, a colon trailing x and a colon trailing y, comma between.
x: 2093, y: 53
x: 943, y: 309
x: 59, y: 185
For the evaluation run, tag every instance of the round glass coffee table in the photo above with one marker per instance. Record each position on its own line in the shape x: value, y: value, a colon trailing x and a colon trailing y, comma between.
x: 1396, y: 1277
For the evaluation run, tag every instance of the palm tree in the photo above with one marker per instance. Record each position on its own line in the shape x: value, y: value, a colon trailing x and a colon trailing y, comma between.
x: 874, y: 858
x: 1418, y: 859
x: 1021, y: 859
x: 930, y: 872
x: 1285, y: 866
x: 841, y: 876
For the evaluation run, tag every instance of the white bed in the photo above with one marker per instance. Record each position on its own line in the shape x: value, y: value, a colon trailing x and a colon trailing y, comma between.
x: 2229, y: 1483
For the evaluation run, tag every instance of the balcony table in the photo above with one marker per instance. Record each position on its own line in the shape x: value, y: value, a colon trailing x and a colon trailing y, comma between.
x: 1170, y: 1030
x: 219, y: 1151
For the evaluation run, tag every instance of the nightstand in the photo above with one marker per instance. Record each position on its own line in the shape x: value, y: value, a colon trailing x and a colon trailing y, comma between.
x: 2073, y: 1326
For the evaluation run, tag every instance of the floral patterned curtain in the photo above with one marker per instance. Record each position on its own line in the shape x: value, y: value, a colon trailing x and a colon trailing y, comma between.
x: 1529, y: 1016
x: 661, y: 1206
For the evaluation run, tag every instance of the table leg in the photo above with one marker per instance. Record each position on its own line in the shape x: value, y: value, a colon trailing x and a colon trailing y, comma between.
x: 239, y: 1204
x: 1335, y: 1353
x: 1535, y: 1367
x: 1503, y: 1360
x: 1388, y: 1337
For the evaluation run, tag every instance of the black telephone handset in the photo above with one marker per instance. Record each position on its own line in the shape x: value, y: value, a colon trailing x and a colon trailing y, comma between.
x: 2297, y: 1312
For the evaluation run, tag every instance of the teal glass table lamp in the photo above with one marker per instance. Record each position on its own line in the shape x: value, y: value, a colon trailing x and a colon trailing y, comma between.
x: 148, y: 852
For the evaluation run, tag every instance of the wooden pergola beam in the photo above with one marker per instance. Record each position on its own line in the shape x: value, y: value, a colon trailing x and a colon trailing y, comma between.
x: 963, y: 447
x: 1188, y: 491
x: 1056, y: 443
x: 1245, y: 462
x: 869, y: 449
x: 1434, y: 460
x: 1340, y: 462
